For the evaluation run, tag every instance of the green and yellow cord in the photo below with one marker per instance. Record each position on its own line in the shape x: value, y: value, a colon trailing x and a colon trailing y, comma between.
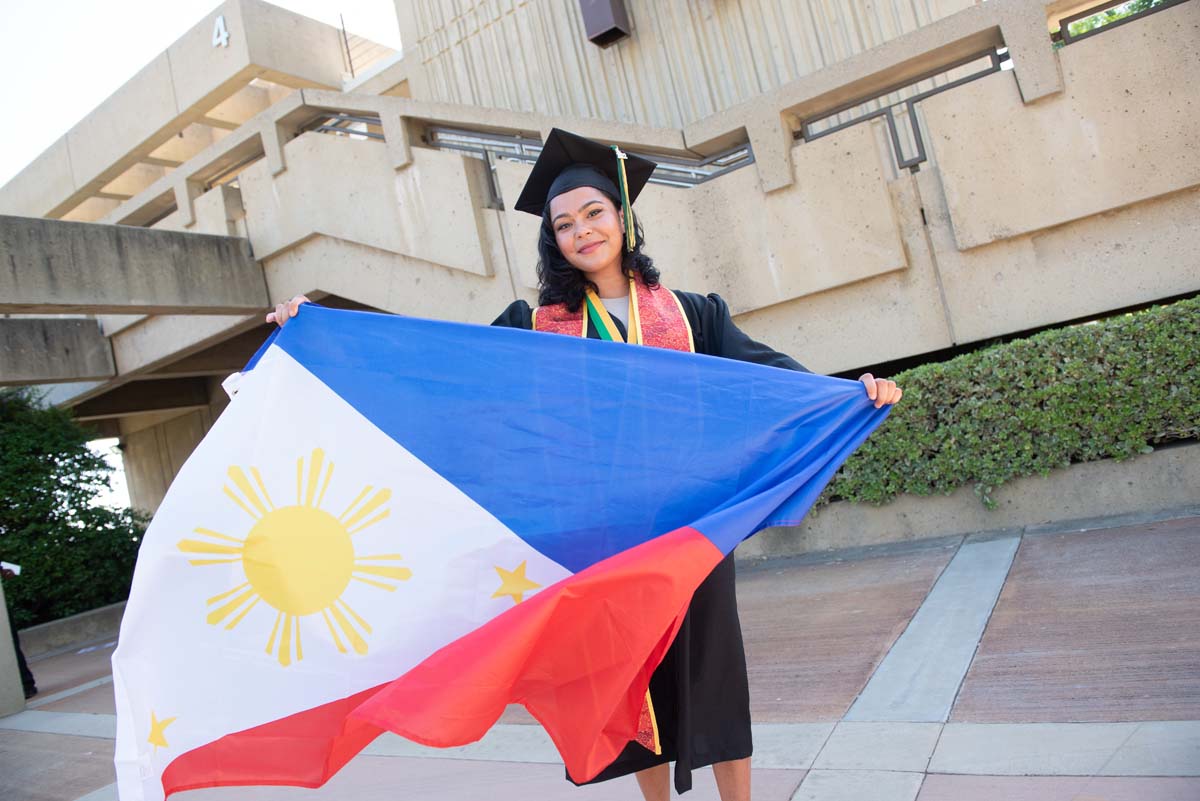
x: 627, y: 207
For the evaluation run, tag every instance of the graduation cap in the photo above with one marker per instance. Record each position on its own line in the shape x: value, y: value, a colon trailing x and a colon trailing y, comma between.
x: 569, y: 161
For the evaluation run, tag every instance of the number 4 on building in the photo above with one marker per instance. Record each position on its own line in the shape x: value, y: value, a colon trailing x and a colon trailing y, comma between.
x: 220, y: 33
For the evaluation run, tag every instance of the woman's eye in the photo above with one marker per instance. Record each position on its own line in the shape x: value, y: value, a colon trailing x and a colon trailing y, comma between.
x: 564, y: 226
x: 593, y: 212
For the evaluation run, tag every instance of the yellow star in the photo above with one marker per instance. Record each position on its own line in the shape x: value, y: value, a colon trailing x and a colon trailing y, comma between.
x: 514, y: 583
x: 157, y: 738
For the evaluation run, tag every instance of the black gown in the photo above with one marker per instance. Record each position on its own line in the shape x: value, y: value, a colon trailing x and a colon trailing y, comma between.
x: 700, y: 691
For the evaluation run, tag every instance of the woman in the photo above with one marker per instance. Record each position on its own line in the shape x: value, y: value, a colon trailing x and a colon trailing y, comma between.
x: 596, y: 281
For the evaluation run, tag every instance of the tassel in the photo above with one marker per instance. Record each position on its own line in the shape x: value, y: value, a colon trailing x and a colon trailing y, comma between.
x: 627, y: 207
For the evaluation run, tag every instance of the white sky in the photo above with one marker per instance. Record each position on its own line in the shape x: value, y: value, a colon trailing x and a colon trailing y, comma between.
x: 62, y: 58
x: 118, y: 497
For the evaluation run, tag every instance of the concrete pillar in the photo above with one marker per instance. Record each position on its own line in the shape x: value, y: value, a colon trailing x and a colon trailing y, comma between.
x: 12, y: 694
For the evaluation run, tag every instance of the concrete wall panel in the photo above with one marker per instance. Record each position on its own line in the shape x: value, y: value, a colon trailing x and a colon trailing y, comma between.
x: 155, y: 453
x: 145, y: 469
x: 834, y: 225
x: 1124, y: 130
x: 293, y: 50
x: 439, y: 198
x: 201, y: 70
x: 886, y: 317
x: 42, y: 185
x: 387, y: 281
x: 134, y: 113
x: 1108, y: 261
x: 347, y: 189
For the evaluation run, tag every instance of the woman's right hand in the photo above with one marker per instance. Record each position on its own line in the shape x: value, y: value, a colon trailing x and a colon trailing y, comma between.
x: 286, y: 310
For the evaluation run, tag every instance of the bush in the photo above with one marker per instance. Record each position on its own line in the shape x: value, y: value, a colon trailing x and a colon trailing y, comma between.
x: 75, y: 555
x: 1108, y: 389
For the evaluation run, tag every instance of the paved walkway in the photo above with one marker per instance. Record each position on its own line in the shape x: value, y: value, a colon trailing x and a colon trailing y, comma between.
x: 1052, y: 666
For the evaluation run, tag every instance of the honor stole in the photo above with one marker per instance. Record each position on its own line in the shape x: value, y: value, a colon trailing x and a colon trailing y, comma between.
x: 656, y: 318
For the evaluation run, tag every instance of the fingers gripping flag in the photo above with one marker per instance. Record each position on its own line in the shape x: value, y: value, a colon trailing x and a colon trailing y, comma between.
x: 406, y: 525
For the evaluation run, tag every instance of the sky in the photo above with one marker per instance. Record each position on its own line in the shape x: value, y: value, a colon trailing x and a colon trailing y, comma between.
x: 62, y: 58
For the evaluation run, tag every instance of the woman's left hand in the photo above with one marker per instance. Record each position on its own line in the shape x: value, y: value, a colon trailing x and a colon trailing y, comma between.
x: 881, y: 390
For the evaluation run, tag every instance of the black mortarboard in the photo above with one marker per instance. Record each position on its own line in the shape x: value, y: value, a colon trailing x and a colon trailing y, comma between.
x: 568, y: 161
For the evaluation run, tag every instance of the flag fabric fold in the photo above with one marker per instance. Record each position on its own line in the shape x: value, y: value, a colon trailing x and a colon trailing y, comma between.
x: 405, y: 525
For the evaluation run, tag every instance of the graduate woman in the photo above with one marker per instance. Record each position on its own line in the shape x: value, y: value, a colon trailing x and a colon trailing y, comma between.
x: 596, y: 281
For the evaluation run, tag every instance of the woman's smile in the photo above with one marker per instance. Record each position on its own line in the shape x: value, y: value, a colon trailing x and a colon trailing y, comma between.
x: 589, y: 247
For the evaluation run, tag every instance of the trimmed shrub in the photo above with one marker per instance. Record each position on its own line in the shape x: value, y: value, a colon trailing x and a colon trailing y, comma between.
x: 1107, y: 389
x: 75, y: 554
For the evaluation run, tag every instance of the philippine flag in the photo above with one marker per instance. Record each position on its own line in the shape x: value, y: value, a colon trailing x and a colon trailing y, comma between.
x: 405, y: 525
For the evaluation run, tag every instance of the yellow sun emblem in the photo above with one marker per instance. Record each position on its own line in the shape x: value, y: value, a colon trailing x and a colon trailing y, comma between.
x: 299, y: 559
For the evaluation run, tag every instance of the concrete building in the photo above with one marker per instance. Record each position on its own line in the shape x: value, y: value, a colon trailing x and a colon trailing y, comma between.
x: 940, y: 164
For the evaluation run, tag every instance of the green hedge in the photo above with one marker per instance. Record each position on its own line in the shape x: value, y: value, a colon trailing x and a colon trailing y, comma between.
x: 75, y: 553
x: 1108, y: 389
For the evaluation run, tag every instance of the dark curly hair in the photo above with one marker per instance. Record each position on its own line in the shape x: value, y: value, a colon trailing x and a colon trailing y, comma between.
x: 559, y: 282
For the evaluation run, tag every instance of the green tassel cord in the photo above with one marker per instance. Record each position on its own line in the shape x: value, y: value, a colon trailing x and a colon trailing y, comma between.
x: 627, y: 207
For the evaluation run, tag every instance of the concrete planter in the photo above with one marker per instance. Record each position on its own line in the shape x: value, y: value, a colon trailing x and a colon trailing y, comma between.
x: 80, y: 628
x: 1167, y: 479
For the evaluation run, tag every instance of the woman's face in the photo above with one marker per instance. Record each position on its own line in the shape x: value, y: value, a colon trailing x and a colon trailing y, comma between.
x: 588, y: 229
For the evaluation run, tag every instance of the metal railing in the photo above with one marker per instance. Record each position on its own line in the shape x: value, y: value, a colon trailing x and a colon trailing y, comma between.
x: 352, y: 125
x: 671, y: 170
x: 998, y: 59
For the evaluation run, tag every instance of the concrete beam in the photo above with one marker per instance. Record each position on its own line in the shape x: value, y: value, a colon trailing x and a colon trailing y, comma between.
x: 139, y: 397
x: 44, y: 351
x: 54, y: 267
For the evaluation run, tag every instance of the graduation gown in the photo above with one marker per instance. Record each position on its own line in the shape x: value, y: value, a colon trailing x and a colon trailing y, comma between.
x: 700, y: 691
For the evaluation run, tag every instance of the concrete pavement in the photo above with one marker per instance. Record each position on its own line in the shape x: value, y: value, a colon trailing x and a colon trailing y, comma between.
x: 1048, y: 666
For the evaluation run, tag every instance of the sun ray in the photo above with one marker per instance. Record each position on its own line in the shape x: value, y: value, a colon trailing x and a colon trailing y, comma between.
x: 229, y: 494
x: 373, y: 583
x: 357, y: 617
x: 261, y: 486
x: 224, y: 595
x: 285, y: 641
x: 243, y: 483
x: 367, y: 489
x: 336, y: 639
x: 242, y: 614
x: 200, y: 546
x: 295, y: 575
x: 387, y: 571
x: 216, y: 535
x: 377, y: 500
x: 222, y: 612
x: 324, y: 486
x: 314, y: 472
x: 274, y: 631
x: 371, y: 522
x: 356, y: 640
